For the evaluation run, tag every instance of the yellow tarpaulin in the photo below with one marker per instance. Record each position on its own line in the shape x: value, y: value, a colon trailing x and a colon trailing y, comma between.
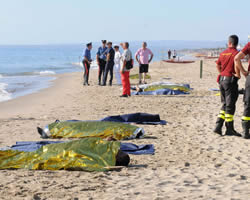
x: 89, y: 154
x: 172, y: 87
x: 83, y: 129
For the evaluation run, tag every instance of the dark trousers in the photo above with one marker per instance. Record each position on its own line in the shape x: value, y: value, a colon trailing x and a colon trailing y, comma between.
x: 229, y: 95
x: 246, y: 114
x: 86, y: 67
x: 102, y: 64
x: 169, y: 55
x: 108, y: 69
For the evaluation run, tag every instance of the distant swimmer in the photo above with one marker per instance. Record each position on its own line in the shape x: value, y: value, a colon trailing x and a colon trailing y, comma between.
x: 143, y: 60
x: 86, y: 63
x: 246, y: 115
x: 228, y: 82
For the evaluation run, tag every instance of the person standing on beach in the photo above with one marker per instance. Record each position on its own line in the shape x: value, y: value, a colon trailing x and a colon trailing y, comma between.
x: 228, y: 81
x: 117, y: 66
x: 174, y: 54
x: 169, y: 54
x: 86, y: 63
x: 246, y: 115
x: 143, y: 61
x: 101, y: 60
x: 109, y: 65
x: 127, y: 64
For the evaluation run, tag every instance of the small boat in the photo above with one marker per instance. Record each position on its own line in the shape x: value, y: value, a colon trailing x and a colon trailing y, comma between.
x: 179, y: 61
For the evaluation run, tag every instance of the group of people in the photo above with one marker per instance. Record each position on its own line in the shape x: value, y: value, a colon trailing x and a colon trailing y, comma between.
x: 230, y: 67
x: 111, y: 60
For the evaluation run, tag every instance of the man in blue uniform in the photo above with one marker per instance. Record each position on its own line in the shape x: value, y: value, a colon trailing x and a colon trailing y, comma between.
x: 109, y: 65
x: 101, y: 60
x: 86, y: 63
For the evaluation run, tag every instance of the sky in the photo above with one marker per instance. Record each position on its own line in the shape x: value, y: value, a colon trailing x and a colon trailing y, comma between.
x: 78, y: 21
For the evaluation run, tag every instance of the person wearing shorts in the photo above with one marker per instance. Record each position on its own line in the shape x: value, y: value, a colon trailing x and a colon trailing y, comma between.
x: 142, y: 57
x: 143, y: 68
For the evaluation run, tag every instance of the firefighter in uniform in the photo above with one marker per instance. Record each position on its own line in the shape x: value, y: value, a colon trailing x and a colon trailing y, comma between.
x: 246, y: 115
x: 228, y: 81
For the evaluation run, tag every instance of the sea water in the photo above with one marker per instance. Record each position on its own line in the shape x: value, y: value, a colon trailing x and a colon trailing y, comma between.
x: 25, y: 69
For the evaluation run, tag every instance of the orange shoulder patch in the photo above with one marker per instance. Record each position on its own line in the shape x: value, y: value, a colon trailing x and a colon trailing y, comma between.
x: 226, y: 54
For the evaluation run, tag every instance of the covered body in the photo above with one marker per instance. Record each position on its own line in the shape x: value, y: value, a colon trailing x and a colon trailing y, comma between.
x: 89, y: 154
x: 163, y: 88
x: 101, y: 129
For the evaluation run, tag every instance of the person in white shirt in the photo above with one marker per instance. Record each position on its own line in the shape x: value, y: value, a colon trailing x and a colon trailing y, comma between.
x: 117, y: 66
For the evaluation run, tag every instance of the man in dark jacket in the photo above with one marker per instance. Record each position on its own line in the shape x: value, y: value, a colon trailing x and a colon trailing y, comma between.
x: 101, y: 60
x: 109, y: 65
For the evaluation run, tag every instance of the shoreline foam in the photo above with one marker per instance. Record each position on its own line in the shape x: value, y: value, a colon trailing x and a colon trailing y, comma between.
x: 15, y: 86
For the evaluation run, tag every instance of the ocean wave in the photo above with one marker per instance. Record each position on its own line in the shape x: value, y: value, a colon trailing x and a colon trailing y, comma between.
x: 92, y: 66
x: 4, y: 95
x: 46, y: 72
x: 34, y: 73
x: 78, y: 64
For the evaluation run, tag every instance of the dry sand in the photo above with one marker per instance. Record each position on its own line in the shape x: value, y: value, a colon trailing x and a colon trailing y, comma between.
x: 191, y: 162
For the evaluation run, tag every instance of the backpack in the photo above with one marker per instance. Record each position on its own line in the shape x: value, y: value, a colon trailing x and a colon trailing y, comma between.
x: 130, y: 64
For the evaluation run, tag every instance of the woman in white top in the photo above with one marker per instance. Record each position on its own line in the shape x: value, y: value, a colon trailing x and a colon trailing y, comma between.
x: 117, y: 65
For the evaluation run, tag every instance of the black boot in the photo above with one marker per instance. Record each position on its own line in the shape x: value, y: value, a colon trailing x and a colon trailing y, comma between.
x: 218, y: 127
x: 245, y: 127
x: 230, y: 129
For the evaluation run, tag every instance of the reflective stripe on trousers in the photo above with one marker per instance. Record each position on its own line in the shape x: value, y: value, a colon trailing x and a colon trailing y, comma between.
x: 222, y: 114
x: 245, y: 118
x: 229, y: 118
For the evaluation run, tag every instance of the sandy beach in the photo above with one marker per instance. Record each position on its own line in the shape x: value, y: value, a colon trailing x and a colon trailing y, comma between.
x: 190, y: 162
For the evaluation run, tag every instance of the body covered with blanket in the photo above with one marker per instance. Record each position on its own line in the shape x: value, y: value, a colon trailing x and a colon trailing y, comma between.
x: 162, y: 88
x: 84, y: 129
x: 89, y: 154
